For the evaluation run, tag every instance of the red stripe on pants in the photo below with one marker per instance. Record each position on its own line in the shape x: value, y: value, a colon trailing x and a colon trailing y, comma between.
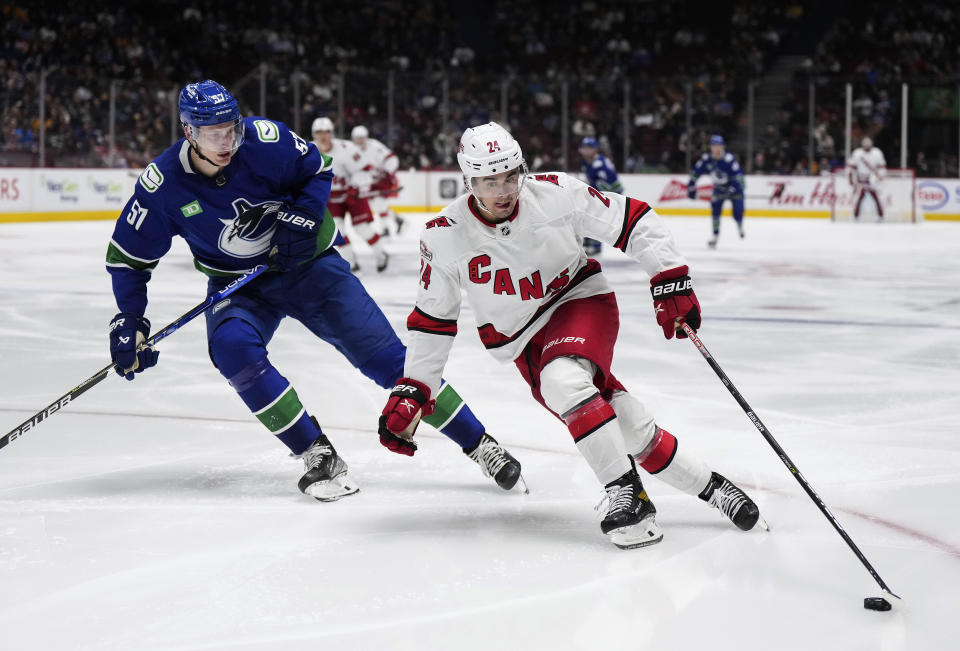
x: 660, y: 453
x: 588, y: 418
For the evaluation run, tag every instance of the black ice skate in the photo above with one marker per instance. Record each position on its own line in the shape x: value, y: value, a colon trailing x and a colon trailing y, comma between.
x: 496, y: 462
x: 326, y: 476
x: 382, y: 261
x: 630, y: 520
x: 712, y: 242
x: 722, y: 494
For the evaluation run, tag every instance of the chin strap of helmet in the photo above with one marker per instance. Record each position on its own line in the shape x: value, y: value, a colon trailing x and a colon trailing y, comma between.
x: 219, y: 176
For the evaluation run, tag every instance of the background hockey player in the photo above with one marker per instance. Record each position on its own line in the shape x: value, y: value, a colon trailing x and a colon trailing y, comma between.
x: 350, y: 193
x: 246, y: 191
x: 381, y: 163
x: 602, y: 175
x: 512, y: 246
x: 728, y: 183
x: 867, y: 169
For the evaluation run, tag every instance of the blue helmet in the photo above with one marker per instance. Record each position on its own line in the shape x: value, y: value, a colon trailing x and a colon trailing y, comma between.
x: 207, y: 102
x: 589, y: 142
x: 716, y: 139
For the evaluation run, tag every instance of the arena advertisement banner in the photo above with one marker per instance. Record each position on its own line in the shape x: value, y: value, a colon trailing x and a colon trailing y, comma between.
x: 939, y: 199
x: 28, y: 194
x: 52, y: 194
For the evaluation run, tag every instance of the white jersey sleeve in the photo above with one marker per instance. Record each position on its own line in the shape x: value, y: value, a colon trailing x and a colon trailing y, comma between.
x: 432, y: 325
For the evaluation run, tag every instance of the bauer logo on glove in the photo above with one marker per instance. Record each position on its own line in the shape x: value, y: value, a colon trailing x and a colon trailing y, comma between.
x: 682, y: 286
x: 674, y: 301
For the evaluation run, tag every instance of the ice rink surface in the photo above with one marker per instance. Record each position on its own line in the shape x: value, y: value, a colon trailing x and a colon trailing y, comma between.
x: 158, y: 514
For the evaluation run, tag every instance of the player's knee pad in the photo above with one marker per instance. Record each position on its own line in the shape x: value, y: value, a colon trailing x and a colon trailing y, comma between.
x: 636, y: 423
x: 566, y: 382
x: 238, y: 352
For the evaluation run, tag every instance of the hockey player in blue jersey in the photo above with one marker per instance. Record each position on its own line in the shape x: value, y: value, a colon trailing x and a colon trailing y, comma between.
x: 245, y: 191
x: 602, y: 176
x: 727, y: 176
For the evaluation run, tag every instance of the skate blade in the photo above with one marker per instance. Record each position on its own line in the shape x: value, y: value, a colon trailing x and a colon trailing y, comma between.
x: 522, y: 484
x: 762, y: 523
x: 332, y: 489
x: 644, y: 533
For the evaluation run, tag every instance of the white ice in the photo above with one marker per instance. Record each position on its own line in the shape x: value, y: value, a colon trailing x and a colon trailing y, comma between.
x: 158, y: 514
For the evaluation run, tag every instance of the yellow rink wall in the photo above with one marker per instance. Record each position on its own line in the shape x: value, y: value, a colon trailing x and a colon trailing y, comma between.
x: 71, y: 194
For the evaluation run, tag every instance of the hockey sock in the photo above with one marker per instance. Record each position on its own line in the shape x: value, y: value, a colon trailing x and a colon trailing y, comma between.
x: 453, y: 417
x: 596, y: 433
x: 275, y: 403
x: 683, y: 471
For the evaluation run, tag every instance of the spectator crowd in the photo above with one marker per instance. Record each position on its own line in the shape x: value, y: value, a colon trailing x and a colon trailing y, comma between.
x: 631, y: 74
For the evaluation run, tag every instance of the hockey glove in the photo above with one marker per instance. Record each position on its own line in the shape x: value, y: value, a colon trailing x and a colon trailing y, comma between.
x: 127, y: 332
x: 408, y: 401
x: 692, y: 190
x: 674, y: 300
x: 295, y: 238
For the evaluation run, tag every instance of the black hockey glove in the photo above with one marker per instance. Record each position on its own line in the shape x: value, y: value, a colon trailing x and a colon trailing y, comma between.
x: 295, y: 238
x: 127, y: 332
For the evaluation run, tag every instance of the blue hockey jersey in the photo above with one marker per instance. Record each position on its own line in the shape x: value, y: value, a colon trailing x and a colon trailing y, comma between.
x: 171, y: 198
x: 602, y: 175
x: 726, y: 173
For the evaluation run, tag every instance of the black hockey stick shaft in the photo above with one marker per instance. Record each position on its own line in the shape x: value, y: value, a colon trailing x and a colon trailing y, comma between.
x: 103, y: 373
x: 782, y: 454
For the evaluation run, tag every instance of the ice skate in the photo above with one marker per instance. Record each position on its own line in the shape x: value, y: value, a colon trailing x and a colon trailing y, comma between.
x: 326, y: 473
x: 383, y: 259
x: 354, y: 267
x: 630, y: 520
x: 740, y: 230
x: 400, y: 223
x: 722, y: 494
x: 497, y: 463
x: 712, y: 242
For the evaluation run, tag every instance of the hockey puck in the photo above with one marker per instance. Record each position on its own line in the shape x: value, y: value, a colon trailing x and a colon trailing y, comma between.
x: 876, y: 603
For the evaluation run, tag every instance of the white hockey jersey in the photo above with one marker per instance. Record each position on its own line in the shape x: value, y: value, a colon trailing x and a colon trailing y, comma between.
x: 868, y: 167
x: 378, y: 160
x: 515, y: 274
x: 348, y: 171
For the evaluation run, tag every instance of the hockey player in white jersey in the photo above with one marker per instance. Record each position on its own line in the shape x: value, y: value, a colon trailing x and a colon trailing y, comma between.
x: 382, y: 164
x: 512, y: 245
x: 349, y: 193
x: 867, y: 169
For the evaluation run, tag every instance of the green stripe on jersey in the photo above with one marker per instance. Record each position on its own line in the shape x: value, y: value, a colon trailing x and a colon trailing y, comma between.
x: 117, y: 258
x: 282, y: 412
x: 327, y: 232
x: 449, y: 403
x: 327, y: 163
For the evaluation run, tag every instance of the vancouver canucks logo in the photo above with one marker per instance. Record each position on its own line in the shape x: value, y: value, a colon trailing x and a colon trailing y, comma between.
x: 248, y: 234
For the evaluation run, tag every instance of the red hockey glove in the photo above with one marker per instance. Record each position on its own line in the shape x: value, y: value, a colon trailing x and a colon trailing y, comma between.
x: 408, y: 401
x: 353, y: 192
x: 673, y: 299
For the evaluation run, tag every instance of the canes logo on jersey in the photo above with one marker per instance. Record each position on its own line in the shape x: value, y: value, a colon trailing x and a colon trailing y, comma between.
x: 248, y: 234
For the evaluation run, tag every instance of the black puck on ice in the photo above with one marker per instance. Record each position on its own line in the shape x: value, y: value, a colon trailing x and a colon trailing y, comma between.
x: 876, y: 603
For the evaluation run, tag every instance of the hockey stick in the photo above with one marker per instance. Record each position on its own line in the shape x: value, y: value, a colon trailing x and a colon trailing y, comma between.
x: 102, y: 374
x: 783, y: 455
